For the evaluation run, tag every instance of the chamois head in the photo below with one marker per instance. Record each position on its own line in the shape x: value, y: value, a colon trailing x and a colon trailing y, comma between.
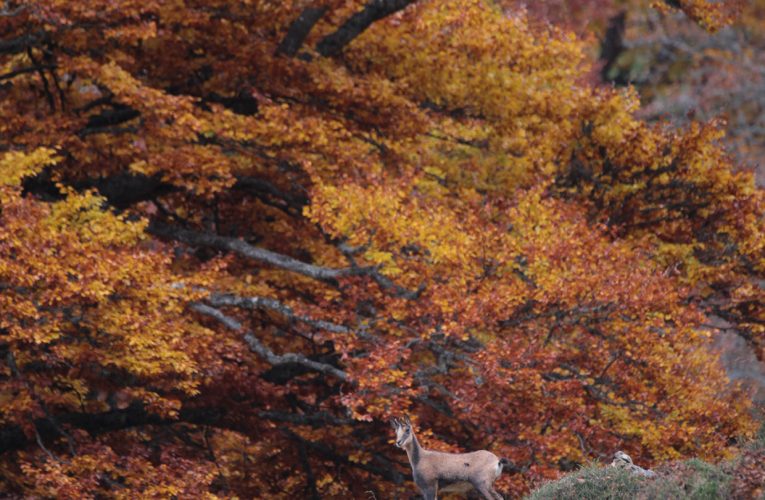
x: 404, y: 431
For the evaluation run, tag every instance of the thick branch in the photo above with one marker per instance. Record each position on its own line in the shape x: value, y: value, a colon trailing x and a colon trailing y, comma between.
x: 613, y: 45
x: 243, y: 248
x: 242, y: 103
x: 299, y: 29
x: 6, y: 11
x: 291, y: 203
x: 117, y: 116
x: 122, y: 189
x: 13, y: 437
x: 21, y: 43
x: 375, y: 10
x: 267, y: 354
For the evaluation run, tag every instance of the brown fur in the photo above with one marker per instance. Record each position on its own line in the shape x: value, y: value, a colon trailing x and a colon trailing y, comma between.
x: 436, y: 472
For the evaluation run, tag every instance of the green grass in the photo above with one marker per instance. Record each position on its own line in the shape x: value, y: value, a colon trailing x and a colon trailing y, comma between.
x: 739, y: 477
x: 591, y: 483
x: 692, y: 479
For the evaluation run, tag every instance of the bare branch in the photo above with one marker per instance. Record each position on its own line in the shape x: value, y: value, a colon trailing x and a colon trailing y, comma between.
x: 321, y: 418
x: 218, y: 300
x: 396, y: 290
x: 41, y: 73
x: 10, y: 360
x: 256, y: 253
x: 375, y: 10
x: 290, y: 203
x: 310, y: 479
x: 21, y: 43
x: 382, y: 281
x: 243, y: 248
x: 299, y: 29
x: 21, y: 71
x: 8, y: 12
x: 258, y: 347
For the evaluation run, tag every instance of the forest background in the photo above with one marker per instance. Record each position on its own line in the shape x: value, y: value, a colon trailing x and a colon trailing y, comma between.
x: 237, y: 237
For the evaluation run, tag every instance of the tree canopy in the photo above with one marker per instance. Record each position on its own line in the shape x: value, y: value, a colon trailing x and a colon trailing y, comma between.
x: 236, y: 237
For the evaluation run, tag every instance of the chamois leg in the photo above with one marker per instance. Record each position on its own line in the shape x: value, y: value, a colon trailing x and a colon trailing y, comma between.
x: 487, y: 491
x: 429, y: 491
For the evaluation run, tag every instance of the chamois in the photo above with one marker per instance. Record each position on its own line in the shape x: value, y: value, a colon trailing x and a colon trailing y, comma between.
x: 436, y: 472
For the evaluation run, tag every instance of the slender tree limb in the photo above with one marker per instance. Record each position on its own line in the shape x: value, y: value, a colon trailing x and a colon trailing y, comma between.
x: 219, y: 300
x: 310, y: 479
x: 8, y: 12
x: 267, y: 354
x: 299, y: 29
x: 41, y: 73
x: 375, y: 10
x: 382, y: 281
x: 21, y: 71
x: 319, y: 419
x: 396, y: 290
x: 11, y: 362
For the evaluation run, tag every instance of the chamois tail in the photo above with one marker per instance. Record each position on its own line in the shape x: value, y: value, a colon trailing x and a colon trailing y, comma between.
x: 505, y: 464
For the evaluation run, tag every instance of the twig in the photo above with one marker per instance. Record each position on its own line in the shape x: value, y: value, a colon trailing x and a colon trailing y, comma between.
x: 21, y: 71
x: 11, y: 361
x: 46, y: 85
x: 43, y: 448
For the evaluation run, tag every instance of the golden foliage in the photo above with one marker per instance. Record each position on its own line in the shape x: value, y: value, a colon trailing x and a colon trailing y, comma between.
x: 444, y: 219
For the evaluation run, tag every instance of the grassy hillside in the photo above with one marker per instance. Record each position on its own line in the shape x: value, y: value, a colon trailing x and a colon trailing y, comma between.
x: 741, y: 477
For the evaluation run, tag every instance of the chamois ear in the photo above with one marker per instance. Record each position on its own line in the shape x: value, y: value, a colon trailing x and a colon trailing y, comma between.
x: 394, y: 423
x: 408, y: 422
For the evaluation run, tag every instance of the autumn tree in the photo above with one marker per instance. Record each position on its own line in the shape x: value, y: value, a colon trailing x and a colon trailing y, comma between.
x: 685, y: 72
x: 236, y: 237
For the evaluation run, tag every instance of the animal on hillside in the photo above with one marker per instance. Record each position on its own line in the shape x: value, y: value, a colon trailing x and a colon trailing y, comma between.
x: 624, y: 461
x: 436, y: 472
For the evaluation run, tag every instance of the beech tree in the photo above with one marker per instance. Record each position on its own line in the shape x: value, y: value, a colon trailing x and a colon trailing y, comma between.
x: 683, y: 70
x: 236, y: 237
